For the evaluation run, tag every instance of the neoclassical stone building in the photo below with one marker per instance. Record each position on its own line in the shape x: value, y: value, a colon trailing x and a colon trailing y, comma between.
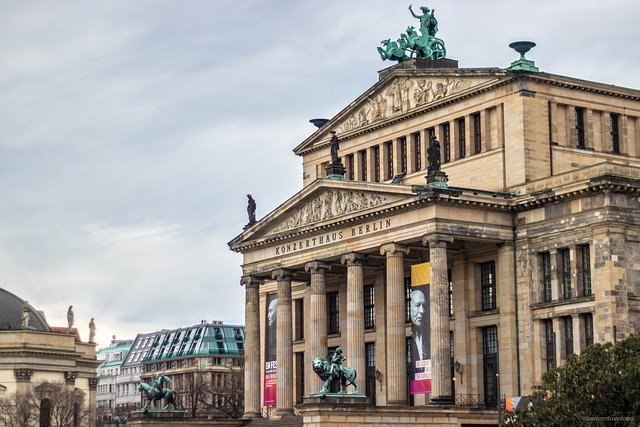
x: 532, y: 244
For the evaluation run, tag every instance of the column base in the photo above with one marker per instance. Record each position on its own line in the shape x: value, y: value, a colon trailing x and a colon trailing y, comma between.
x: 251, y: 415
x: 280, y: 413
x: 442, y: 401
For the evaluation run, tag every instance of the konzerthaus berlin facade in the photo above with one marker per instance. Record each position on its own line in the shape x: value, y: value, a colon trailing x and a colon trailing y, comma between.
x: 532, y: 244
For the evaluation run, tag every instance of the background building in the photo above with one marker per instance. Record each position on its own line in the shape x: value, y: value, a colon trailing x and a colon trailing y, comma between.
x: 530, y: 244
x: 34, y: 358
x: 204, y: 362
x: 115, y: 396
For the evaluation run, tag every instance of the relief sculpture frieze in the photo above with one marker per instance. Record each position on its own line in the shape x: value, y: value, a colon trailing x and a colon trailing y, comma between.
x: 401, y: 96
x: 331, y: 204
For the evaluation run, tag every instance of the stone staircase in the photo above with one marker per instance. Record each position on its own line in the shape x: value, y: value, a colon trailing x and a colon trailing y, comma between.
x: 288, y: 421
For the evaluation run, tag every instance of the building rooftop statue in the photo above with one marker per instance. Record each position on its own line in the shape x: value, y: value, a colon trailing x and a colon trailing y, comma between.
x: 11, y: 307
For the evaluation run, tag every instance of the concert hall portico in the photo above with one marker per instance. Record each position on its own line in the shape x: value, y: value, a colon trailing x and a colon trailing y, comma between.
x: 340, y: 236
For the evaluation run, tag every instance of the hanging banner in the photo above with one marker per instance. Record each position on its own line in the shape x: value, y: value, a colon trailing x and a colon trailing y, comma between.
x: 270, y: 352
x: 420, y: 380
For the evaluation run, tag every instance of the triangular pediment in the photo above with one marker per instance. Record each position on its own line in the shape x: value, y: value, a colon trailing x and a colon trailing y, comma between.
x: 404, y: 93
x: 322, y: 203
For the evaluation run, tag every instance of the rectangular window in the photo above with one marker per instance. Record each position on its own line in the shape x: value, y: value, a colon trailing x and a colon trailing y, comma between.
x: 477, y: 134
x: 546, y: 276
x: 588, y: 329
x: 446, y: 142
x: 369, y: 307
x: 350, y: 171
x: 388, y: 146
x: 363, y: 164
x: 299, y: 313
x: 403, y: 155
x: 407, y: 299
x: 586, y: 270
x: 370, y: 354
x: 376, y: 162
x: 451, y: 344
x: 333, y: 305
x: 615, y: 133
x: 565, y: 267
x: 568, y: 336
x: 462, y: 139
x: 449, y: 279
x: 488, y: 284
x: 550, y: 340
x: 490, y: 340
x: 580, y: 142
x: 417, y: 151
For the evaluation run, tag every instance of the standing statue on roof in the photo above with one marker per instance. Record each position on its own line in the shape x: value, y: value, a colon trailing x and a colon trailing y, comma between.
x: 335, y: 146
x: 251, y: 209
x: 70, y: 318
x: 92, y: 331
x: 25, y: 316
x: 428, y: 22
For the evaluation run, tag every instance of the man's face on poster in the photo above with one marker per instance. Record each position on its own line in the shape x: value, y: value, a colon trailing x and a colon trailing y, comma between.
x: 271, y: 312
x: 418, y: 307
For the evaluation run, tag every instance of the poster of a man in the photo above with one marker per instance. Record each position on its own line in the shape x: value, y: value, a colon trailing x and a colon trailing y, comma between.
x: 419, y: 320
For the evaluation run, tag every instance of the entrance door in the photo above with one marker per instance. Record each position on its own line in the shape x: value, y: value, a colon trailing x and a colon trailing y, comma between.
x: 490, y: 365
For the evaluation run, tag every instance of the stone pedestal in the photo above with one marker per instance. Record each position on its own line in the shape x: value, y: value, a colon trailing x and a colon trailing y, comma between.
x: 437, y: 179
x: 335, y: 170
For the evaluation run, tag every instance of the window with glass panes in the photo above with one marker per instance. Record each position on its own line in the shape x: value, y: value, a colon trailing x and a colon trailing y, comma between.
x: 403, y: 155
x: 490, y: 340
x: 550, y: 344
x: 333, y: 306
x: 565, y: 267
x: 449, y: 279
x: 477, y: 134
x: 585, y: 252
x: 615, y: 133
x: 488, y: 285
x: 546, y: 276
x: 462, y: 138
x: 587, y: 319
x: 446, y: 142
x: 350, y: 171
x: 369, y: 307
x: 388, y: 146
x: 407, y: 299
x: 568, y: 336
x: 417, y: 151
x: 363, y: 165
x: 376, y: 162
x: 580, y: 128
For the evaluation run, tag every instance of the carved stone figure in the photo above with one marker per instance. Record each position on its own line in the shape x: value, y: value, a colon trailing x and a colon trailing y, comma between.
x: 70, y: 319
x: 335, y: 146
x: 92, y: 330
x: 428, y: 22
x: 433, y: 154
x: 25, y: 316
x: 251, y: 209
x: 331, y: 369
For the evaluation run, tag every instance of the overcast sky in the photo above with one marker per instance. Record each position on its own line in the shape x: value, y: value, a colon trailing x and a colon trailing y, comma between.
x: 131, y: 131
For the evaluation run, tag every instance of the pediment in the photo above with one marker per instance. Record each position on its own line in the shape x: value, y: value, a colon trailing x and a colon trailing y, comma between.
x: 322, y: 203
x: 400, y: 94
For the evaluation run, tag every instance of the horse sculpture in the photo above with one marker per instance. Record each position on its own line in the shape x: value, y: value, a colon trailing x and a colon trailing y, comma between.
x: 153, y: 394
x: 346, y: 375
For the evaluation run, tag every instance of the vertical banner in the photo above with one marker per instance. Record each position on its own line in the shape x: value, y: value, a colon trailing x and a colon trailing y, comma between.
x: 420, y: 381
x: 270, y: 365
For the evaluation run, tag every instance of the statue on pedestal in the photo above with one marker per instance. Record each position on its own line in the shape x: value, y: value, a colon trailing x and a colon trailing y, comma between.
x: 92, y: 331
x: 70, y: 319
x: 25, y: 316
x: 155, y: 391
x: 251, y: 209
x: 331, y: 369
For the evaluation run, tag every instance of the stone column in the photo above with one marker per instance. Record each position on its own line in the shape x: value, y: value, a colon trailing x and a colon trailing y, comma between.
x: 316, y: 342
x: 396, y: 338
x: 93, y: 386
x: 439, y: 310
x: 284, y: 334
x: 507, y: 333
x: 355, y: 313
x: 556, y: 283
x: 252, y: 407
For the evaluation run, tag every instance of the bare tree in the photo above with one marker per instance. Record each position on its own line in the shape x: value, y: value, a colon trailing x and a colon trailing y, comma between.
x: 224, y: 397
x: 18, y: 409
